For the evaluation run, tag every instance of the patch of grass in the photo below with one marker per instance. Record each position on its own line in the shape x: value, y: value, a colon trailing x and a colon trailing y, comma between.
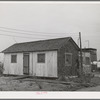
x: 96, y: 80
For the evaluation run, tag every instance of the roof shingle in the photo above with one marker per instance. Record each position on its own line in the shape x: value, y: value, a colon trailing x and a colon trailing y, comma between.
x: 42, y: 45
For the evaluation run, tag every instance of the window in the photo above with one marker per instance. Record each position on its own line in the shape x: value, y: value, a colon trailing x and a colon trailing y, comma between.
x: 68, y: 59
x: 41, y: 58
x: 13, y: 58
x: 87, y: 60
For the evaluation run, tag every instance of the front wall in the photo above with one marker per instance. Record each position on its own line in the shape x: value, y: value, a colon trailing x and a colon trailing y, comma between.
x: 47, y: 69
x: 13, y: 68
x: 67, y: 70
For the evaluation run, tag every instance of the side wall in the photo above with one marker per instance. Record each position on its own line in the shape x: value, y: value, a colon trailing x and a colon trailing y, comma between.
x: 47, y: 69
x: 67, y: 70
x: 13, y: 68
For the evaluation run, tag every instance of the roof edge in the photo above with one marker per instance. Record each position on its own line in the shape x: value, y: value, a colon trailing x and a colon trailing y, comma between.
x: 32, y: 51
x: 43, y: 40
x: 7, y: 48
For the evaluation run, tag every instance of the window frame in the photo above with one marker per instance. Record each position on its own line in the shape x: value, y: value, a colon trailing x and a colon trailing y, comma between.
x: 39, y: 59
x: 13, y: 60
x: 70, y: 61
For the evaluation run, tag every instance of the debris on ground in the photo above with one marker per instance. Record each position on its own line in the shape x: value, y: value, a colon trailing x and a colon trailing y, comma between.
x: 16, y: 83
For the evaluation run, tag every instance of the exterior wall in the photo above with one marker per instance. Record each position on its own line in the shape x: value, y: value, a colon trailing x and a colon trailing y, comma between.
x: 47, y: 69
x: 93, y: 55
x: 93, y: 58
x: 86, y: 68
x: 67, y: 70
x: 13, y: 68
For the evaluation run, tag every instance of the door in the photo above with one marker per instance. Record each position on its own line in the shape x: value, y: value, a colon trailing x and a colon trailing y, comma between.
x: 26, y: 64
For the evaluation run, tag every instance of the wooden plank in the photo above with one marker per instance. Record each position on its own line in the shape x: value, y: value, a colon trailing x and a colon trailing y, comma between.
x: 34, y: 79
x: 21, y: 77
x: 41, y: 80
x: 47, y: 69
x: 13, y: 68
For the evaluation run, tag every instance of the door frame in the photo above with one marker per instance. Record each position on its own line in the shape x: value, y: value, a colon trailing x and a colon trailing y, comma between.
x: 28, y: 63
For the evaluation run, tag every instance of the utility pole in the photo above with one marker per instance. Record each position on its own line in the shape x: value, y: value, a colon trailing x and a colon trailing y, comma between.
x: 81, y: 64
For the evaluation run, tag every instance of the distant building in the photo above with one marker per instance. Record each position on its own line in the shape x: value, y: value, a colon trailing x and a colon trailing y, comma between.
x: 45, y: 58
x: 93, y: 57
x: 86, y: 61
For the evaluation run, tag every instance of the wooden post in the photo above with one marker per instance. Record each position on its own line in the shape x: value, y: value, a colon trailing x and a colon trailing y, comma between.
x: 81, y: 67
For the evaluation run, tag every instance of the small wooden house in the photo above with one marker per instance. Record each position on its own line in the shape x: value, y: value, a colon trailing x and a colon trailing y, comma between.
x: 45, y: 58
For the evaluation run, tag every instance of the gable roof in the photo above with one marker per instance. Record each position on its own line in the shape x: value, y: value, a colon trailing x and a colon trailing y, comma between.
x: 42, y: 45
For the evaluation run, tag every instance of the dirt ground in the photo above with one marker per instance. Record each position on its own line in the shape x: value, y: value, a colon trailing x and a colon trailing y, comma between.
x: 97, y: 88
x: 8, y: 84
x: 96, y: 81
x: 12, y: 84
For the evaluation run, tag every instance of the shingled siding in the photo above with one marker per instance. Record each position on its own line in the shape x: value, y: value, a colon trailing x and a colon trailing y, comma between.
x: 68, y: 70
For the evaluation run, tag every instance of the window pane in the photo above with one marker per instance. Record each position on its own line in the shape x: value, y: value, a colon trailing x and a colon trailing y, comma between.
x: 13, y: 58
x: 41, y: 58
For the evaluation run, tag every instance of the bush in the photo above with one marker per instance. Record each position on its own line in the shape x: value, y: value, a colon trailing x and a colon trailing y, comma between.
x: 1, y: 68
x: 87, y: 77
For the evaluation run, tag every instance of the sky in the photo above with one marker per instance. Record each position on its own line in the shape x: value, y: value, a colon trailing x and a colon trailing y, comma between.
x: 31, y: 21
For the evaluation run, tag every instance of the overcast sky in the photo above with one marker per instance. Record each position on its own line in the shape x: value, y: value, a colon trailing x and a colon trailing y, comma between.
x: 49, y: 20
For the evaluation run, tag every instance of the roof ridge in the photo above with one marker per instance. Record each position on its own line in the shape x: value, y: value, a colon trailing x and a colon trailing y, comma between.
x: 64, y: 42
x: 43, y: 40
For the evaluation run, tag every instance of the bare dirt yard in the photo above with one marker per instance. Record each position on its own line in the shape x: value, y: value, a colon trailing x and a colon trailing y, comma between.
x: 27, y: 84
x: 12, y: 83
x: 95, y: 81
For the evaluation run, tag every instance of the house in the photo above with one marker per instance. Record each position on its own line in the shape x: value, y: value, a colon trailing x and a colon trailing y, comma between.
x: 86, y: 61
x: 93, y: 57
x: 44, y: 58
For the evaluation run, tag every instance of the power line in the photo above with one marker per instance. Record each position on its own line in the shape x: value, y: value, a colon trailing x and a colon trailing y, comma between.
x: 7, y: 30
x: 22, y: 36
x: 27, y: 31
x: 28, y: 34
x: 30, y: 31
x: 18, y: 36
x: 25, y: 37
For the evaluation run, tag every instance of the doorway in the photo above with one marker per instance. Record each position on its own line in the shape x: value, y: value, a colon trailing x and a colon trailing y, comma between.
x: 26, y: 63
